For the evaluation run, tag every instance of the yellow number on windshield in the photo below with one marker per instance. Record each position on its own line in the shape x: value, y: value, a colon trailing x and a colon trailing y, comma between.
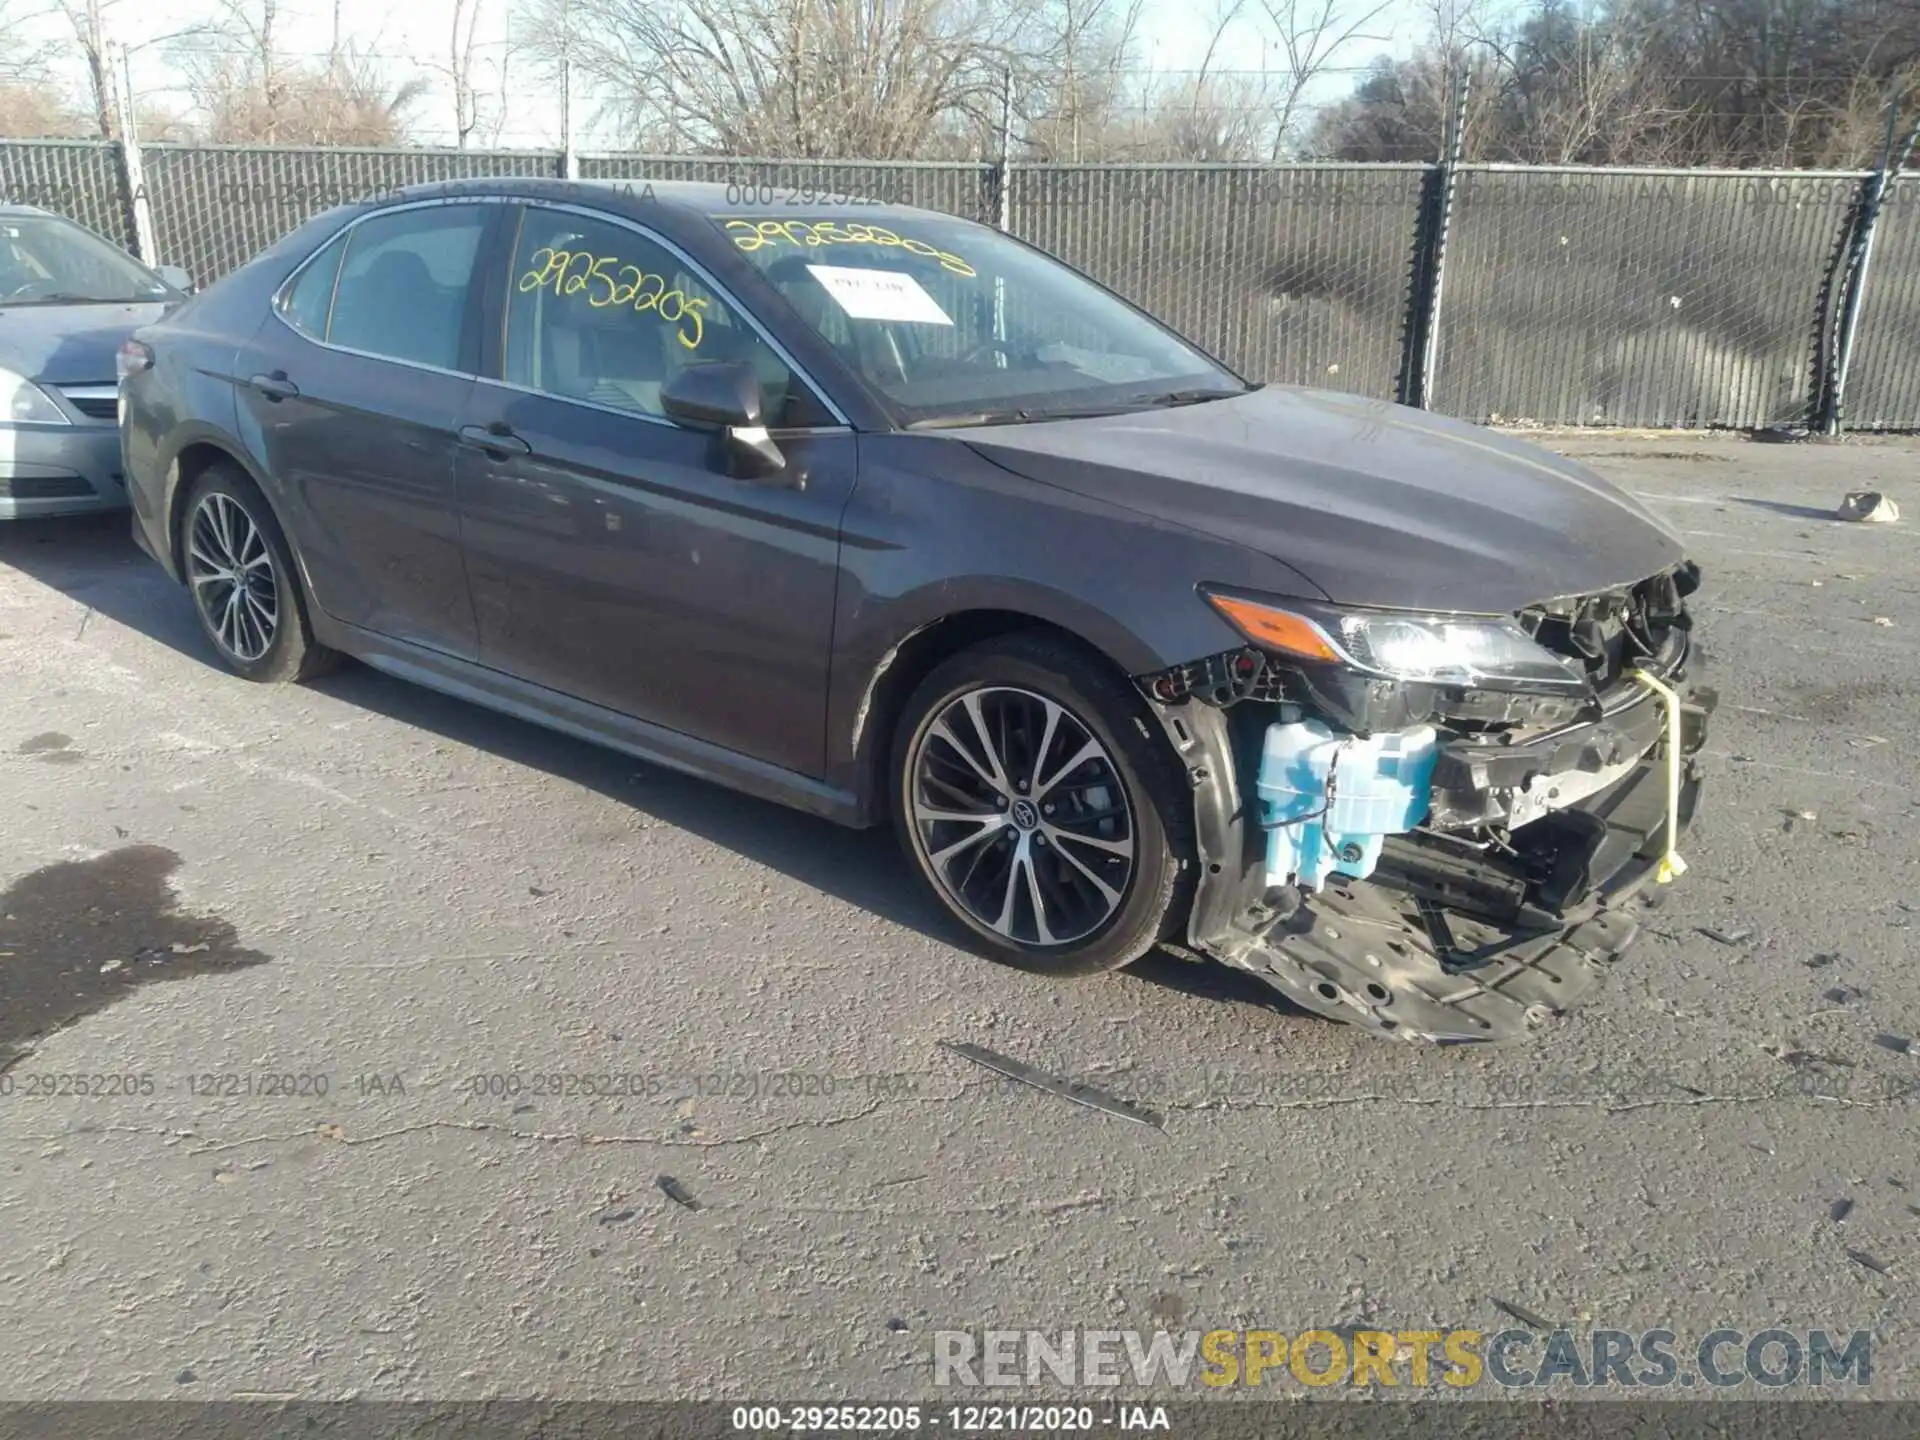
x: 752, y: 235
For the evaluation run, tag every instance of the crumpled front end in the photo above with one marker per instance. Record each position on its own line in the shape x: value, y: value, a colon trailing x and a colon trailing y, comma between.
x: 1443, y: 861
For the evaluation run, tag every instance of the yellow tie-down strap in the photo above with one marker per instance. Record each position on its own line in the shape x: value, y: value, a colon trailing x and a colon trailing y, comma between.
x: 1671, y: 864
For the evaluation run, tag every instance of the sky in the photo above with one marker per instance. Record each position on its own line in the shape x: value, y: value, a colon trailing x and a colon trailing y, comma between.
x: 413, y: 38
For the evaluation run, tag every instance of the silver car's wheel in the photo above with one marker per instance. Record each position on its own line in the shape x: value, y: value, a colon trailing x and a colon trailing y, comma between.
x: 1021, y: 816
x: 231, y: 571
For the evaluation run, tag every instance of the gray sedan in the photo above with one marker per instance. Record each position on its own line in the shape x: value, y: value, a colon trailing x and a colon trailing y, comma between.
x: 887, y: 515
x: 68, y: 300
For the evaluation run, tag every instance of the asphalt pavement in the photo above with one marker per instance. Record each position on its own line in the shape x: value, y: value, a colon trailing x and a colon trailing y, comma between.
x: 350, y: 1032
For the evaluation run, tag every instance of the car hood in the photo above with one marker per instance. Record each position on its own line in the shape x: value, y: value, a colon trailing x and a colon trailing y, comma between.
x: 70, y: 344
x: 1374, y: 503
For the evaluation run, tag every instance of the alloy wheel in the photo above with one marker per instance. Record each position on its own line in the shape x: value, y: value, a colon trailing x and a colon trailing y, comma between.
x: 231, y: 571
x: 1021, y: 816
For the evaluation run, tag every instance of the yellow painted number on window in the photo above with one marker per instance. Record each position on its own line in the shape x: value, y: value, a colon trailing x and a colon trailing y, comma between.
x: 609, y: 282
x: 602, y: 272
x: 752, y: 235
x: 691, y: 315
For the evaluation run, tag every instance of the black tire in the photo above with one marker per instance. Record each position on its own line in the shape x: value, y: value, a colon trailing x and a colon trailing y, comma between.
x: 290, y: 653
x: 1011, y: 681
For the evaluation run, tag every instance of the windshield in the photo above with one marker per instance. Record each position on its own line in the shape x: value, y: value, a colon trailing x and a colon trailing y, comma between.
x: 957, y: 324
x: 48, y: 261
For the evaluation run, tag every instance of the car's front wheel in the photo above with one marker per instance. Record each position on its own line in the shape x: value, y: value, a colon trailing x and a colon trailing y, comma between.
x: 245, y: 590
x: 1036, y: 798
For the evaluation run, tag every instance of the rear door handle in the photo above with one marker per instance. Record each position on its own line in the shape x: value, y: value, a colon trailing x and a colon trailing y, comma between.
x: 497, y: 439
x: 275, y: 386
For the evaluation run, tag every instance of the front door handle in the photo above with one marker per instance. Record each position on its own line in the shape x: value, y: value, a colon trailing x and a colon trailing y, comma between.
x: 275, y: 387
x: 497, y: 440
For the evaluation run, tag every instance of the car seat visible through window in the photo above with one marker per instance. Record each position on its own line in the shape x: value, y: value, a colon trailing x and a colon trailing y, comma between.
x: 396, y: 309
x: 606, y: 356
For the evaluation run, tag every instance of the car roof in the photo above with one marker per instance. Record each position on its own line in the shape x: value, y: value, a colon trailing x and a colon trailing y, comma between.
x: 687, y: 200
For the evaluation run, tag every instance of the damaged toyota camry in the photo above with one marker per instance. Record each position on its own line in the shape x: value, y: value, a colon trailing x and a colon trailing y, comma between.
x: 894, y: 518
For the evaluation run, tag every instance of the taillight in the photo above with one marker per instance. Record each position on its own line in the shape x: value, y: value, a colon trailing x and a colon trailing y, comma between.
x: 134, y: 357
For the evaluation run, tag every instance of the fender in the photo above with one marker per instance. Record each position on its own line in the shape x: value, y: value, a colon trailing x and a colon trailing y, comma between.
x: 1013, y: 552
x: 196, y: 432
x: 200, y: 433
x: 873, y: 670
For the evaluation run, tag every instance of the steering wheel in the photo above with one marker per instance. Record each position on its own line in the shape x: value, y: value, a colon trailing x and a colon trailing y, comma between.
x: 19, y: 290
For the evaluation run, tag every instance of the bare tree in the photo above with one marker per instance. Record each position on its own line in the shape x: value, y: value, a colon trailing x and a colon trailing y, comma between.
x: 1645, y: 82
x: 163, y: 123
x: 258, y: 27
x: 36, y: 109
x: 461, y: 70
x: 233, y: 68
x: 460, y: 43
x: 31, y: 103
x: 1310, y: 34
x: 252, y: 93
x: 1220, y: 118
x: 816, y: 78
x: 1069, y: 74
x: 501, y: 74
x: 23, y: 53
x: 1208, y: 119
x: 89, y: 22
x: 1220, y: 114
x: 1572, y: 86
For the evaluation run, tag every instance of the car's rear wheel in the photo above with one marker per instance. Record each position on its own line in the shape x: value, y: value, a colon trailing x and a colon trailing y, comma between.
x: 246, y: 591
x: 1032, y: 790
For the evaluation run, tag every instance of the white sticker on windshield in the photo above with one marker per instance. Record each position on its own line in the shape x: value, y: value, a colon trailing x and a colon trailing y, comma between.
x: 879, y: 294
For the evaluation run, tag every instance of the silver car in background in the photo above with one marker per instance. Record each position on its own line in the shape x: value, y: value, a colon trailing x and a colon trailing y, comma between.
x: 68, y: 300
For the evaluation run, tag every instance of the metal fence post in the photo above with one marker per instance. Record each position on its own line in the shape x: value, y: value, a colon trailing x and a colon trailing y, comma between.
x: 1003, y: 166
x: 132, y: 175
x: 1437, y: 271
x: 569, y: 158
x: 1426, y: 218
x: 1891, y: 164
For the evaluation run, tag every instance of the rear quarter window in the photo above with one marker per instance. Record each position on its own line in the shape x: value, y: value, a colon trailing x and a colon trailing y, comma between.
x: 305, y: 304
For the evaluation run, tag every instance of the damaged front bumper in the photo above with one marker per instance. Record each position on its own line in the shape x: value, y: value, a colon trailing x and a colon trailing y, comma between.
x: 1494, y: 915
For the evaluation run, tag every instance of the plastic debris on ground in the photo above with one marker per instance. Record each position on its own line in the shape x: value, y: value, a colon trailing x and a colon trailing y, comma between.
x: 1868, y: 507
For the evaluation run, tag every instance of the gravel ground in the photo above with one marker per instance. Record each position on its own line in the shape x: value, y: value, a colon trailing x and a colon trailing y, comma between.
x: 226, y: 893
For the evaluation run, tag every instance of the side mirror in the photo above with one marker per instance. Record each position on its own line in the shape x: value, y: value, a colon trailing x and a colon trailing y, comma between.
x: 725, y: 397
x: 176, y: 277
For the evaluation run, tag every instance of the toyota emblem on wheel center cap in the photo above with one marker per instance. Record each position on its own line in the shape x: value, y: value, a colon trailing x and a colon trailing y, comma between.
x: 1024, y: 815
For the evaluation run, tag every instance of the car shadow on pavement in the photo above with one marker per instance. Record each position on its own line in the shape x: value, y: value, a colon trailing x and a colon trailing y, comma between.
x: 862, y: 867
x: 94, y: 561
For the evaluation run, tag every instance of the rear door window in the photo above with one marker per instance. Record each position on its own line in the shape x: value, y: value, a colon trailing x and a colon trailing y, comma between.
x: 402, y: 290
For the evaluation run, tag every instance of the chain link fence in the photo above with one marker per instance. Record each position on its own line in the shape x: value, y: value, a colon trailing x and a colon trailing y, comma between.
x: 80, y: 180
x: 1884, y: 380
x: 1595, y: 297
x: 1301, y: 275
x: 1566, y: 296
x: 214, y: 207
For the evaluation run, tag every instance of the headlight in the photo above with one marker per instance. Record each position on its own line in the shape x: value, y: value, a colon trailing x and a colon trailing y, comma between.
x: 24, y: 403
x: 1478, y: 653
